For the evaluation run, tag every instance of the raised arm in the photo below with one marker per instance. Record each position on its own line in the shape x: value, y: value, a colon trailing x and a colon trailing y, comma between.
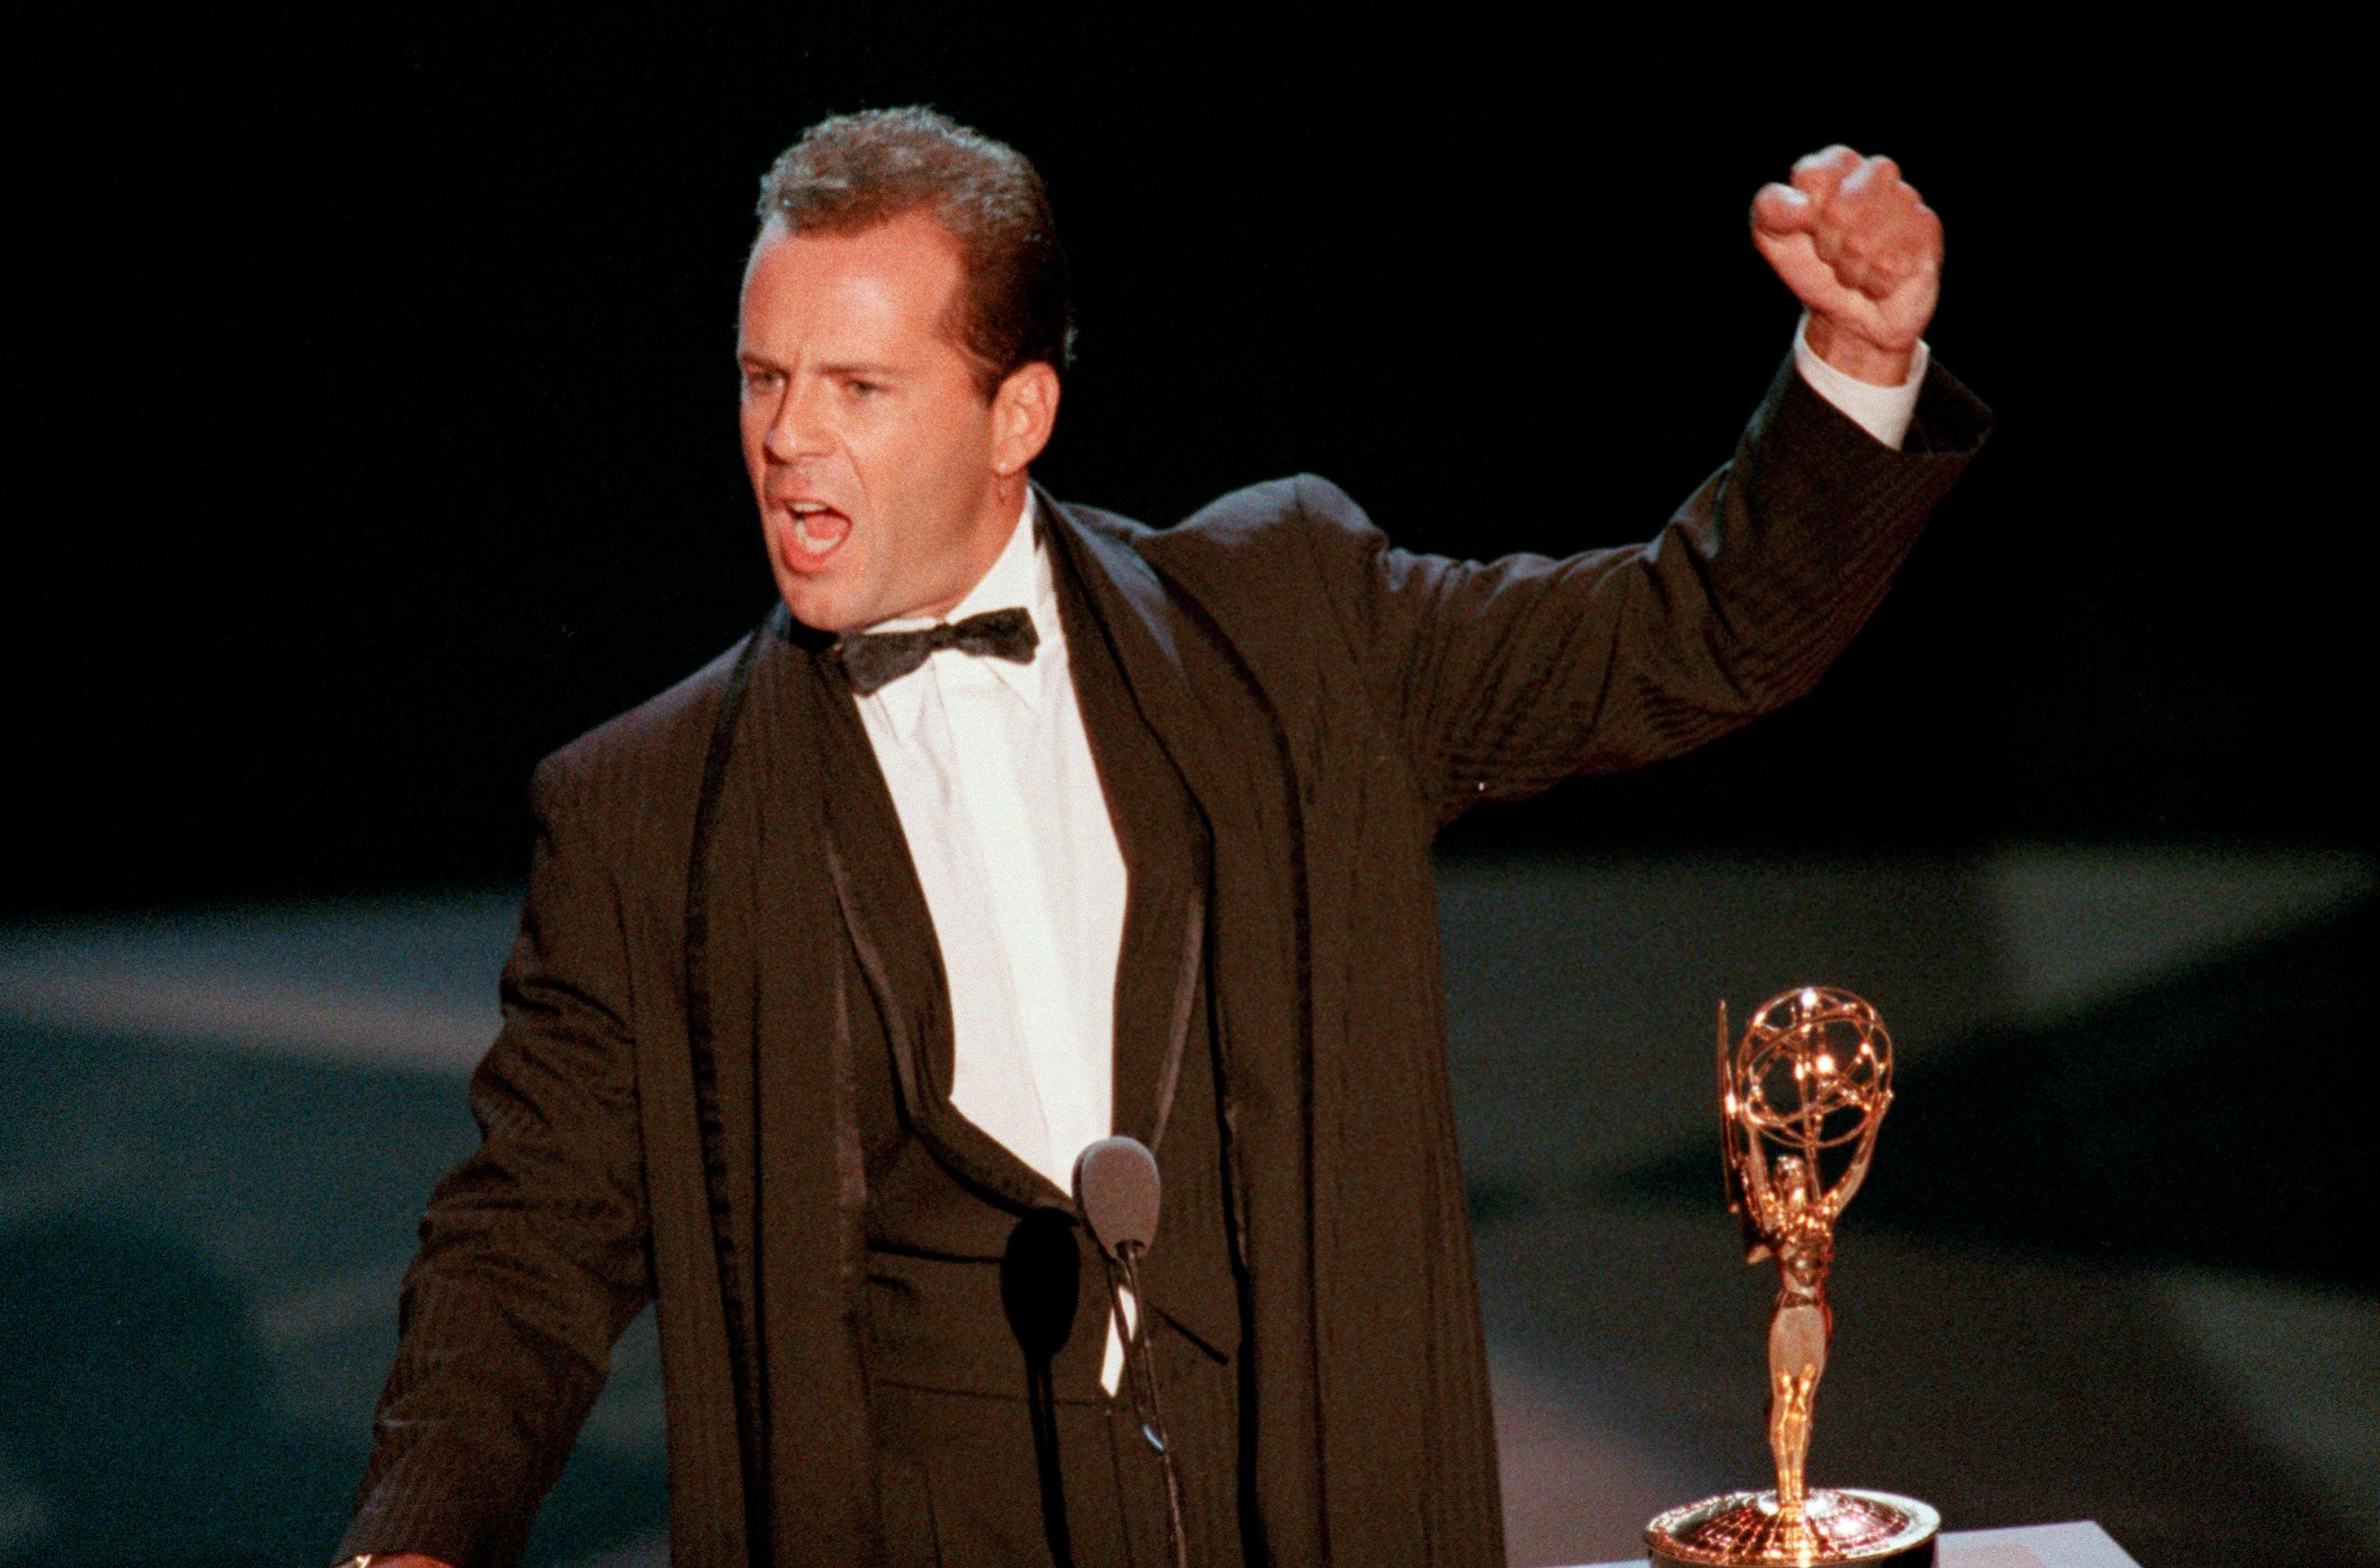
x: 1507, y: 675
x: 1848, y: 1185
x: 532, y: 1257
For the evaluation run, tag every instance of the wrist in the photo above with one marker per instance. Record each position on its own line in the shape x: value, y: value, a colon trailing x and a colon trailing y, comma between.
x: 1857, y: 356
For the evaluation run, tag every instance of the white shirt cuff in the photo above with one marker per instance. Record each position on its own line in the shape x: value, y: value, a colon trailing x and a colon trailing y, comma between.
x: 1883, y: 411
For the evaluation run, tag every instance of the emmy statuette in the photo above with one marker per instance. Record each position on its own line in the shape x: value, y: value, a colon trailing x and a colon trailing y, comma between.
x: 1812, y: 1075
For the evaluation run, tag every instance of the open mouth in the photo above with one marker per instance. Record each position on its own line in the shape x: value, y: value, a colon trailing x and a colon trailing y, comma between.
x: 818, y: 529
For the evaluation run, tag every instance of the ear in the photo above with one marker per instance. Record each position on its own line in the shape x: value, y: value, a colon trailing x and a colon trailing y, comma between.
x: 1023, y: 412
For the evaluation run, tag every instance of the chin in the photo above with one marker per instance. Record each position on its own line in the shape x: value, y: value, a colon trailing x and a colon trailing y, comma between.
x: 817, y: 607
x: 827, y: 620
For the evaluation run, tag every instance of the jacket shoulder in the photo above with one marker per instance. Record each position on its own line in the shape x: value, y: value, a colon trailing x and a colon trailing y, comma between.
x: 1281, y: 580
x: 1295, y: 531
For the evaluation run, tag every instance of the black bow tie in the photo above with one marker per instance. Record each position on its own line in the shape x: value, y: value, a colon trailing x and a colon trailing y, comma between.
x: 872, y: 658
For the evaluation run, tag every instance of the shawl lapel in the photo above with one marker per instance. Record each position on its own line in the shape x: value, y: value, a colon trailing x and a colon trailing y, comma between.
x: 1221, y: 735
x: 1167, y: 858
x: 772, y: 1075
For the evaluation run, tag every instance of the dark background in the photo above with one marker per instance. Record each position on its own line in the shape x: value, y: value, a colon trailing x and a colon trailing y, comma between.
x: 376, y: 431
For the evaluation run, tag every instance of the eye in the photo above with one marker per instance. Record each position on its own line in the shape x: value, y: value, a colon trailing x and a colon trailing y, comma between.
x: 759, y: 379
x: 862, y: 389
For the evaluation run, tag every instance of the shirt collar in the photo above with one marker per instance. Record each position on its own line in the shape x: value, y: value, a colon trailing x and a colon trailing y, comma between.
x: 1020, y: 576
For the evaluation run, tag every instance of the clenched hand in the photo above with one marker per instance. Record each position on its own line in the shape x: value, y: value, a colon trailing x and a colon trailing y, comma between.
x: 1858, y: 246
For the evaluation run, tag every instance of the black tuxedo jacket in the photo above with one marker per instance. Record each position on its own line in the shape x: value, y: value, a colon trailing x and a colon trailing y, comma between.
x: 667, y: 1111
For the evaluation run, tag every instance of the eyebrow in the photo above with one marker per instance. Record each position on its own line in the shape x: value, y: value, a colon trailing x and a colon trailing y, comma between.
x: 841, y: 368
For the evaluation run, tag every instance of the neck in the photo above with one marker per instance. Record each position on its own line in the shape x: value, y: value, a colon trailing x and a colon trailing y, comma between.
x: 1003, y: 514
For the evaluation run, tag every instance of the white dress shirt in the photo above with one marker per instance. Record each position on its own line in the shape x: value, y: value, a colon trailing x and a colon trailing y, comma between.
x: 991, y: 774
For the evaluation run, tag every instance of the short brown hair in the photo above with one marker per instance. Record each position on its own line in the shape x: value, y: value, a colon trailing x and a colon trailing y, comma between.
x: 853, y: 171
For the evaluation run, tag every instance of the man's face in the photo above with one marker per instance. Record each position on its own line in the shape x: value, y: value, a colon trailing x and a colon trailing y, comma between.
x: 886, y: 485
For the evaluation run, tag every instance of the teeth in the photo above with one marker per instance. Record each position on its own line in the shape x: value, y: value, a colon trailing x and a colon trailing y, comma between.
x: 809, y: 541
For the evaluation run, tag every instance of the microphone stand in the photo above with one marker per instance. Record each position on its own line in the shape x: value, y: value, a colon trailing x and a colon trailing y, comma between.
x: 1118, y: 1193
x: 1144, y: 1383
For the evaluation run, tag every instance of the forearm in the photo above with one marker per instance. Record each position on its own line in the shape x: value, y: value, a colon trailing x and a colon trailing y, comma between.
x: 532, y: 1257
x: 474, y: 1427
x: 1777, y: 561
x: 1508, y: 675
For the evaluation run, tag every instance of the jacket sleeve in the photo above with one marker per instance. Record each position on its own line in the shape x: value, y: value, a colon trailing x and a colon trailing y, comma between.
x: 1499, y: 679
x: 533, y: 1255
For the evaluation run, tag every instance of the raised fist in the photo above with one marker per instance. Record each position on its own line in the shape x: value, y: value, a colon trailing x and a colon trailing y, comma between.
x: 1858, y: 246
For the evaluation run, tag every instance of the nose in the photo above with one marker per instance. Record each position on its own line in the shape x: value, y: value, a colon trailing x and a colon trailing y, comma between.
x: 799, y: 428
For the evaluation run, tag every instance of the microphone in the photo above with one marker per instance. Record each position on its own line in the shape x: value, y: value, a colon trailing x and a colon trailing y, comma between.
x: 1117, y: 1190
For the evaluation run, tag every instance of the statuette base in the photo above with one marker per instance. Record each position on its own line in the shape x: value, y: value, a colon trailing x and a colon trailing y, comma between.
x: 1839, y: 1525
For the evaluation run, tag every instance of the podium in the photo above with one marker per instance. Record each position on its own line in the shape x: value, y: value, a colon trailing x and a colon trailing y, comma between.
x: 2081, y: 1545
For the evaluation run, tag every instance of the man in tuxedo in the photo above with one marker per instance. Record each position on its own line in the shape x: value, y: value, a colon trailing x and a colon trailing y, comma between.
x: 1016, y: 824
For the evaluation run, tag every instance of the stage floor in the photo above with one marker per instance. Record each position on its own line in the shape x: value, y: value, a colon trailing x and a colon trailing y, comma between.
x: 217, y: 1127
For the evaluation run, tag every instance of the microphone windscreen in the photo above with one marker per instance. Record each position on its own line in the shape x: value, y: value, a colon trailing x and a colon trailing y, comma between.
x: 1115, y: 1187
